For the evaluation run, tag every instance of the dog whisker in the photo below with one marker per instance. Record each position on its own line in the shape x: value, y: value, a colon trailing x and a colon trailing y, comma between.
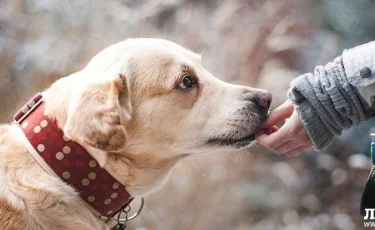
x: 240, y: 156
x: 196, y: 167
x: 232, y: 158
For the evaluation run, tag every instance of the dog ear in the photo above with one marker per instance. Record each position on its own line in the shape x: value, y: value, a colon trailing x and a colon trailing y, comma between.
x: 98, y: 115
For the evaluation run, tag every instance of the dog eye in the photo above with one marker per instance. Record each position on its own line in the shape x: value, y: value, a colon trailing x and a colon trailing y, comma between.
x: 187, y: 82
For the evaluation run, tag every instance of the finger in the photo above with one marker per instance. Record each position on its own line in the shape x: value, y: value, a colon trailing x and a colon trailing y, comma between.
x: 298, y: 150
x: 290, y: 145
x: 260, y: 135
x: 274, y: 140
x: 279, y: 114
x: 287, y: 146
x: 270, y: 130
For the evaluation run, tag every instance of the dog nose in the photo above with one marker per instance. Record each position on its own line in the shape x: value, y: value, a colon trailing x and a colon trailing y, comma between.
x: 264, y: 99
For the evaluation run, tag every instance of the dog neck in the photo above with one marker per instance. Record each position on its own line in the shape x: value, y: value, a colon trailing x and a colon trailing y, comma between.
x: 141, y: 174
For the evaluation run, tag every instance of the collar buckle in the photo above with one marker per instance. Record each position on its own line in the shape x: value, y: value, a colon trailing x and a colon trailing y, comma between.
x: 30, y: 106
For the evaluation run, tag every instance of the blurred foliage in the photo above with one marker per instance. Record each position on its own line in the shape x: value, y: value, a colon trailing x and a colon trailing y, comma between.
x: 261, y: 43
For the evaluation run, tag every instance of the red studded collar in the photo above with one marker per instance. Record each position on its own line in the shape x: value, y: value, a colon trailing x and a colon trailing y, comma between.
x: 69, y: 160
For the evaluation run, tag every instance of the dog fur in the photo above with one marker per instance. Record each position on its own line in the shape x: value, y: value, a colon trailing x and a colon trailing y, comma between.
x: 126, y: 107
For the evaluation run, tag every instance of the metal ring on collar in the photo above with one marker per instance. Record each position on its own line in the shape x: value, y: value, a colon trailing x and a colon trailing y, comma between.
x: 124, y: 220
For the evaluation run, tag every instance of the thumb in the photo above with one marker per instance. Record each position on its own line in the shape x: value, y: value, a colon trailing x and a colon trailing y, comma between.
x: 279, y: 114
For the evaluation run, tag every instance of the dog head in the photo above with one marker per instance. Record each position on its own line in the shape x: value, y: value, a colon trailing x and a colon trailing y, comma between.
x: 179, y: 107
x: 152, y: 96
x: 147, y: 94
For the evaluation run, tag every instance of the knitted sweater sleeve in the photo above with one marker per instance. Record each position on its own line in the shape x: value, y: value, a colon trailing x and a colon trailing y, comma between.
x: 327, y: 103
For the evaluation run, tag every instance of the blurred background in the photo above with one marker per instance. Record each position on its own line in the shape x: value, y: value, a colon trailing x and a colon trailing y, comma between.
x: 260, y: 43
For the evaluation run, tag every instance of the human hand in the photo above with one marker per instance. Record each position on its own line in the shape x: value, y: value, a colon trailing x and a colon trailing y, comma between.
x: 290, y: 139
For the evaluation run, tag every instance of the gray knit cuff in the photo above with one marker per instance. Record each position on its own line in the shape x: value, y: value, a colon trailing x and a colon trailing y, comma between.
x: 326, y: 103
x: 320, y: 136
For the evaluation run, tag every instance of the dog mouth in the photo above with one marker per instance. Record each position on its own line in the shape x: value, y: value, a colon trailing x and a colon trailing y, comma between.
x: 244, y: 140
x: 236, y: 142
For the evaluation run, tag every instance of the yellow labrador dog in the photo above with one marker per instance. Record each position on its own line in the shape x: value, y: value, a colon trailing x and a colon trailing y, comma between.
x: 139, y: 107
